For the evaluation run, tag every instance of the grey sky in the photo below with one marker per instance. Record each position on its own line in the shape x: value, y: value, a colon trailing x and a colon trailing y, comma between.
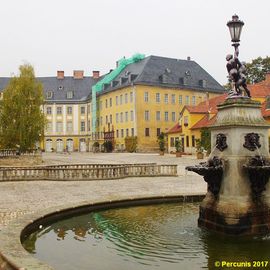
x: 91, y: 35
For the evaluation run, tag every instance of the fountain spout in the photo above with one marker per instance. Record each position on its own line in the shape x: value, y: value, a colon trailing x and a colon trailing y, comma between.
x: 212, y: 172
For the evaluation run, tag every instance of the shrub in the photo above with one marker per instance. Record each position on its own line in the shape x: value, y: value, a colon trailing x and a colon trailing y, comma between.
x: 131, y: 143
x: 108, y: 146
x: 178, y: 146
x: 161, y: 142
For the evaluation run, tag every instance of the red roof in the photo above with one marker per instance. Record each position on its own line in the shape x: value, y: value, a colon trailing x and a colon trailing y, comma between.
x: 209, y: 105
x: 206, y: 121
x: 261, y: 89
x: 175, y: 129
x: 265, y: 111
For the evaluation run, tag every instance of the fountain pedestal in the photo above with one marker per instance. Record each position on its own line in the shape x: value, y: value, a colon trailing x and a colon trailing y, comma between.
x: 239, y: 133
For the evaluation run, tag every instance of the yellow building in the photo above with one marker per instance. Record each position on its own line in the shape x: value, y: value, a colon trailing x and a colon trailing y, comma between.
x: 194, y: 118
x: 147, y: 97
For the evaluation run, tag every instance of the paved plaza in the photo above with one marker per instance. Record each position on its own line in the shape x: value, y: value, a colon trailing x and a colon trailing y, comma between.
x: 25, y: 197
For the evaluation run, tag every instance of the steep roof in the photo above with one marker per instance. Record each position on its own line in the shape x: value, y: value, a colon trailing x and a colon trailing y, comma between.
x: 81, y: 88
x: 208, y: 106
x: 175, y: 129
x: 261, y: 89
x: 206, y: 121
x: 165, y: 72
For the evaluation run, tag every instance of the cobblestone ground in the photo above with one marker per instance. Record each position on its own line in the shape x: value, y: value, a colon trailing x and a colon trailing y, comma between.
x: 20, y: 198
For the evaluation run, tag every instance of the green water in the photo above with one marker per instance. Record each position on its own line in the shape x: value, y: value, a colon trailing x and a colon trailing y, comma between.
x: 163, y: 236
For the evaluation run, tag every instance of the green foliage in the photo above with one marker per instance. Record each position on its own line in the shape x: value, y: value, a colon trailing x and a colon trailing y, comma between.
x: 21, y: 120
x: 96, y: 144
x: 108, y: 146
x: 131, y: 143
x: 206, y: 139
x: 199, y: 147
x: 161, y: 142
x: 257, y: 69
x: 178, y: 146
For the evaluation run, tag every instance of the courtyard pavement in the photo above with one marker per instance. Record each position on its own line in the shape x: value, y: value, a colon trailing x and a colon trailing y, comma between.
x: 27, y: 197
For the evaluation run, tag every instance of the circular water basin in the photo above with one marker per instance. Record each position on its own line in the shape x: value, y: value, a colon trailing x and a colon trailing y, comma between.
x: 160, y: 236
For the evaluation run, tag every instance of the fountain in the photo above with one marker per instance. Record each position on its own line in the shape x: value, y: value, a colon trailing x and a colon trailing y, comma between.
x: 238, y: 170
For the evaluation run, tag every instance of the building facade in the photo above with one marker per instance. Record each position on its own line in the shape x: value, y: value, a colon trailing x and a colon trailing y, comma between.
x: 143, y: 100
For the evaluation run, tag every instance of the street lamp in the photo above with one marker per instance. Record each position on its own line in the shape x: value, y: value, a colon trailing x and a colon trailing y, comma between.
x: 235, y: 27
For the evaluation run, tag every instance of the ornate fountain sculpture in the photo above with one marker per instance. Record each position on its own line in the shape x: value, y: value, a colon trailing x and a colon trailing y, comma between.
x: 238, y: 169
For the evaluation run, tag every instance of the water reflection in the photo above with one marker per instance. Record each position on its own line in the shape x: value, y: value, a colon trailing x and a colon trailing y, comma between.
x: 164, y: 236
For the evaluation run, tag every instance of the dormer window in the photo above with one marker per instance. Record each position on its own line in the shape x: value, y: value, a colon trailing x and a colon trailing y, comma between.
x: 69, y: 94
x: 60, y: 87
x: 49, y: 95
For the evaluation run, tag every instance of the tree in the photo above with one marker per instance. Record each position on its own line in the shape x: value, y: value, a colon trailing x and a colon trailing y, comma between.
x: 257, y: 69
x: 21, y: 120
x: 206, y: 139
x: 161, y: 141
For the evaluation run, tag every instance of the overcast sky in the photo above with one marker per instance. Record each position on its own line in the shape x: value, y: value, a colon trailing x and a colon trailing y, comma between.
x: 91, y: 35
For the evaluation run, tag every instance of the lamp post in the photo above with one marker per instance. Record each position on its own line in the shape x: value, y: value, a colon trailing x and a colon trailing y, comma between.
x: 235, y: 68
x: 235, y: 27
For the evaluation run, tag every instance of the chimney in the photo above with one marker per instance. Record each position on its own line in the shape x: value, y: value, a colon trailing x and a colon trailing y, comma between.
x: 60, y: 74
x: 188, y: 58
x: 95, y: 74
x: 78, y: 74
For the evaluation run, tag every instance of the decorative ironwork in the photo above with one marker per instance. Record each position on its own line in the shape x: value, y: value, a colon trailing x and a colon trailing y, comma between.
x: 221, y: 142
x: 252, y: 141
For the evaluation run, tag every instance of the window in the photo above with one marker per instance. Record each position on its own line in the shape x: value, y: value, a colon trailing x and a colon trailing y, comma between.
x: 131, y: 97
x: 82, y: 110
x: 131, y: 116
x: 49, y: 94
x: 157, y: 97
x: 70, y: 94
x: 173, y: 98
x: 116, y: 117
x: 106, y: 103
x: 69, y: 126
x: 127, y: 132
x: 69, y: 110
x: 146, y: 115
x: 126, y: 116
x: 132, y: 131
x: 59, y: 126
x: 49, y: 127
x: 101, y: 120
x: 166, y: 97
x: 100, y: 105
x: 110, y: 118
x: 180, y: 99
x: 185, y: 121
x: 193, y: 140
x: 121, y: 99
x: 187, y: 100
x: 166, y: 116
x: 106, y: 119
x: 117, y: 133
x: 58, y: 110
x: 158, y: 132
x: 116, y: 100
x: 146, y: 97
x: 121, y: 117
x: 122, y: 133
x: 158, y: 115
x: 193, y: 101
x: 172, y: 142
x: 82, y: 126
x: 49, y: 110
x: 126, y: 98
x: 187, y: 141
x: 110, y: 102
x: 173, y: 116
x: 147, y: 132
